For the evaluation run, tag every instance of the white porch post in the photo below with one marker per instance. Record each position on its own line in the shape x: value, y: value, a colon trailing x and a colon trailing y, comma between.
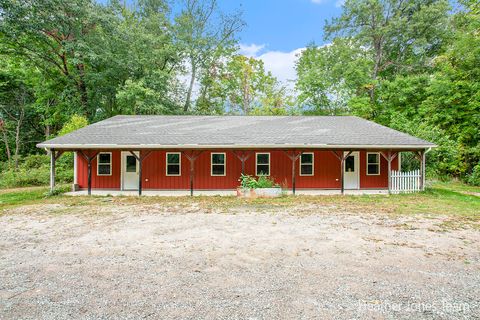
x: 423, y: 170
x: 52, y: 169
x: 75, y: 167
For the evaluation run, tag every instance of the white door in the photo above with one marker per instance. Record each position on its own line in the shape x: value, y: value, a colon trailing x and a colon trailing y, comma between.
x: 129, y: 171
x: 351, y: 171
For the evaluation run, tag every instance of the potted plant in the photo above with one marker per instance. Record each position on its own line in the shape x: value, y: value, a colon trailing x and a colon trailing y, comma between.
x: 263, y: 187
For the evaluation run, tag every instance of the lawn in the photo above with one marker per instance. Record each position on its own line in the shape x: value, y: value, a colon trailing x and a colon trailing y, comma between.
x: 453, y: 199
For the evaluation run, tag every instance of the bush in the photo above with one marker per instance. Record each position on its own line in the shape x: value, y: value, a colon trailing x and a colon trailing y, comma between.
x: 34, y: 170
x: 249, y: 182
x: 474, y: 177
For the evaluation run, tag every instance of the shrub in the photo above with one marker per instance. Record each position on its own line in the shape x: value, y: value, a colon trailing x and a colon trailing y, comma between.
x: 34, y: 170
x: 249, y: 182
x: 474, y: 177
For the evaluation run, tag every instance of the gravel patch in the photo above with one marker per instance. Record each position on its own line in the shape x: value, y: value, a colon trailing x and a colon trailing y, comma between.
x: 144, y: 262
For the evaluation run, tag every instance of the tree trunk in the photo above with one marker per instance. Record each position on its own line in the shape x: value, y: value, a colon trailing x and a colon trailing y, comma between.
x: 17, y: 136
x: 7, y: 147
x: 190, y: 87
x: 82, y: 88
x: 47, y: 131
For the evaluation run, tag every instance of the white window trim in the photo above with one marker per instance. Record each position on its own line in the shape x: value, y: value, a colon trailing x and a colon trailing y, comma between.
x: 377, y: 163
x: 179, y: 164
x: 313, y: 165
x: 98, y: 164
x: 224, y: 164
x: 256, y: 164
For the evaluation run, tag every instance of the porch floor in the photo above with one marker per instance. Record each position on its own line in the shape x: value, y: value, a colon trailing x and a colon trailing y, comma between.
x: 183, y: 193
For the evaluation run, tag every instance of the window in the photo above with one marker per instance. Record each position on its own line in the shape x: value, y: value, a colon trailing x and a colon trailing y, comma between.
x: 373, y: 164
x: 104, y: 164
x: 174, y: 164
x: 350, y: 164
x: 306, y: 164
x: 262, y: 164
x: 218, y: 161
x: 131, y: 163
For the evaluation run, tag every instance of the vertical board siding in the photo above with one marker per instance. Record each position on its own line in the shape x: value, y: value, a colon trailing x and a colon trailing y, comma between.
x: 326, y: 172
x: 99, y: 182
x: 378, y: 181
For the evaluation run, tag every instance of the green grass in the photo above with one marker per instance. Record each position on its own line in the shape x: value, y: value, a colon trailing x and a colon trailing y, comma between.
x: 19, y: 197
x: 455, y: 200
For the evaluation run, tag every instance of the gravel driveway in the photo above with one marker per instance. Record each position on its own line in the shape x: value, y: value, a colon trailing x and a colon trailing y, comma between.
x: 132, y: 262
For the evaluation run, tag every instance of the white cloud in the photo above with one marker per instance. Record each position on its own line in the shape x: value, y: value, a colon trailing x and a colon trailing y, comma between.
x: 251, y: 50
x: 339, y: 3
x: 280, y: 64
x: 318, y: 1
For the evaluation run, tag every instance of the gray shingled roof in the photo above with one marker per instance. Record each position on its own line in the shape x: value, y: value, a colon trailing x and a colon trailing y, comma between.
x: 144, y: 132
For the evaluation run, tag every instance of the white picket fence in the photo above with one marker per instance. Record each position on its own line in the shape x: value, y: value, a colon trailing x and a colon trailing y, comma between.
x: 406, y: 182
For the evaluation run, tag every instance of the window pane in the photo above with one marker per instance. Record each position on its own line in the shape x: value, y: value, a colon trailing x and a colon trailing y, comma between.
x: 218, y: 158
x: 306, y: 169
x: 307, y: 158
x: 218, y: 169
x: 263, y: 170
x: 131, y: 164
x: 373, y: 158
x: 350, y: 164
x: 104, y: 158
x: 173, y: 169
x: 173, y: 158
x: 104, y: 169
x: 263, y: 158
x: 373, y: 169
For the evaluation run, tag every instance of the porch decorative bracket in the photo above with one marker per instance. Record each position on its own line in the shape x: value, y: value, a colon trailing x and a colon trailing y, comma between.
x: 89, y: 160
x: 243, y: 156
x: 294, y: 156
x: 140, y: 158
x: 390, y: 156
x: 192, y: 156
x: 342, y: 157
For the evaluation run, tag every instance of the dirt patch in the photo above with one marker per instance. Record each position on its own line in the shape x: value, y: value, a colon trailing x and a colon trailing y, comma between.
x: 120, y: 260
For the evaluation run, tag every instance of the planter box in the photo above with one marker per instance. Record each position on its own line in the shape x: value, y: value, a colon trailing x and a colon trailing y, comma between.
x: 259, y: 193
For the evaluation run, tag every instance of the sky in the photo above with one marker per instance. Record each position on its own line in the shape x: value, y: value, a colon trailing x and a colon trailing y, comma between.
x: 278, y: 30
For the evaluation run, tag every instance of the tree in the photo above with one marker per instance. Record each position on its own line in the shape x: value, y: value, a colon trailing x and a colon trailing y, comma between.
x: 206, y: 35
x: 373, y: 41
x: 76, y: 122
x: 15, y: 100
x: 54, y: 35
x: 241, y: 85
x: 328, y: 76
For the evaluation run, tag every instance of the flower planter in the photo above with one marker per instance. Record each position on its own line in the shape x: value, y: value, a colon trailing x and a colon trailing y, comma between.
x: 259, y: 193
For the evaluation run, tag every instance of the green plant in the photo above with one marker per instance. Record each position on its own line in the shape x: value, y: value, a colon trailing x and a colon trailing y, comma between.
x: 34, y: 170
x: 474, y: 177
x: 249, y: 182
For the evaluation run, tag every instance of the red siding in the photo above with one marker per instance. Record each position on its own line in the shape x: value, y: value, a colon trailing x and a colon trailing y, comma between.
x: 326, y: 169
x: 99, y: 182
x: 375, y: 182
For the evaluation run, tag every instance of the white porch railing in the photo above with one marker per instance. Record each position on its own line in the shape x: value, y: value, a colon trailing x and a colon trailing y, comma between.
x: 406, y: 182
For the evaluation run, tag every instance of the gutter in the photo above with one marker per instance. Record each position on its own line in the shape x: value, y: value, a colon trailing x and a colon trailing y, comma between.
x: 227, y: 146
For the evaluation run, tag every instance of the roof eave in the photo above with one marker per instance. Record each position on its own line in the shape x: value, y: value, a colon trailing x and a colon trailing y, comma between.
x: 229, y: 146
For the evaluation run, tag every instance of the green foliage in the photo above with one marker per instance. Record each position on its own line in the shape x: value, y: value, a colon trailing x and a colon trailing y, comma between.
x: 34, y: 170
x: 474, y: 177
x: 241, y: 85
x: 249, y: 182
x: 410, y: 65
x: 76, y: 122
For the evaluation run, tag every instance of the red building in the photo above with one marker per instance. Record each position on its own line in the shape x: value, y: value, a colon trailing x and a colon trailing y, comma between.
x: 210, y: 153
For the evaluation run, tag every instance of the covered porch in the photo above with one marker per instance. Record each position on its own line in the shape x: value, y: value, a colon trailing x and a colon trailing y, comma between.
x: 345, y: 160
